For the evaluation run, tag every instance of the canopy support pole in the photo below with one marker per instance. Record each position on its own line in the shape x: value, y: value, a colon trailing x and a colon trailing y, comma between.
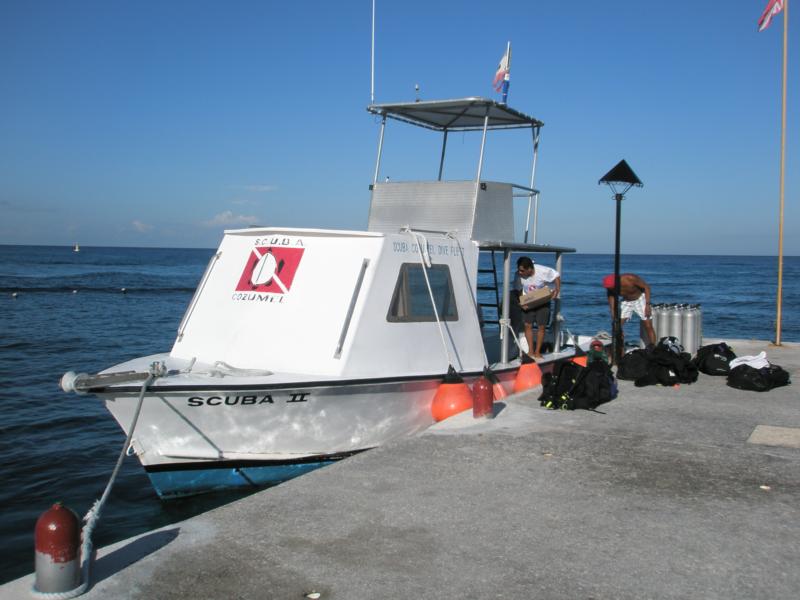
x: 441, y: 160
x: 380, y: 150
x: 506, y: 306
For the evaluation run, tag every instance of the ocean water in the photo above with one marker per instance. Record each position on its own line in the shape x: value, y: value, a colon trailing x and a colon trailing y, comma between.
x: 70, y: 313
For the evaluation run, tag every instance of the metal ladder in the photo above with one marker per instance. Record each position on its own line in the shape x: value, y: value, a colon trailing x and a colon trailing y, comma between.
x: 496, y: 305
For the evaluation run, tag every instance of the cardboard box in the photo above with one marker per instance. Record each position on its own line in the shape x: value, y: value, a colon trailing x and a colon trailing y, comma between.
x: 535, y: 298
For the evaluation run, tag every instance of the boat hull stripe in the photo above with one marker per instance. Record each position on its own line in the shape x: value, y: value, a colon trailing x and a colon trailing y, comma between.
x: 203, y: 465
x: 281, y: 386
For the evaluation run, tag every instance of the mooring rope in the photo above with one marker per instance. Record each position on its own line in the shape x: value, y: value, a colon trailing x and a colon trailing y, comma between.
x: 425, y: 259
x: 451, y: 235
x: 93, y: 515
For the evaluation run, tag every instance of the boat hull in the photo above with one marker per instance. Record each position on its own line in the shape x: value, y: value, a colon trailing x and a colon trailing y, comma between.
x: 188, y: 479
x: 202, y: 438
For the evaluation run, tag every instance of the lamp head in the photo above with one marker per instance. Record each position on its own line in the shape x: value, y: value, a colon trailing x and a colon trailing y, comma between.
x: 621, y: 177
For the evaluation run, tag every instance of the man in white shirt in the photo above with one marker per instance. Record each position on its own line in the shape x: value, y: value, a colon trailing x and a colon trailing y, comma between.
x: 534, y: 277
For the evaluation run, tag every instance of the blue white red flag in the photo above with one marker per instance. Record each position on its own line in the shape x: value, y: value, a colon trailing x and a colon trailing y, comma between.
x: 502, y: 71
x: 773, y: 8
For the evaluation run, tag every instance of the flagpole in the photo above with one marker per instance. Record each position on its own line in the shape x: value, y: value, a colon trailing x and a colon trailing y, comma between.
x: 783, y: 169
x: 507, y: 77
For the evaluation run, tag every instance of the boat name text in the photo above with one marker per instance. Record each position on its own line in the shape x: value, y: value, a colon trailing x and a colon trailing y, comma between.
x: 249, y: 400
x: 433, y: 249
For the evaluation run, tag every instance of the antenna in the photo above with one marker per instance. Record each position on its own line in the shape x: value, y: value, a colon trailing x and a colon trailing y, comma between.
x: 416, y: 90
x: 372, y: 60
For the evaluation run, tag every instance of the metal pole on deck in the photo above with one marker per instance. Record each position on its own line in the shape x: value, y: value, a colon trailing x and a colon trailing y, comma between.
x: 480, y: 158
x: 441, y: 160
x: 506, y: 306
x: 483, y: 146
x: 557, y: 306
x: 380, y: 151
x: 535, y: 130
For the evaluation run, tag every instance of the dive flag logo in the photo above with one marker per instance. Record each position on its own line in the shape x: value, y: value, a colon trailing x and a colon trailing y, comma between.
x: 270, y: 269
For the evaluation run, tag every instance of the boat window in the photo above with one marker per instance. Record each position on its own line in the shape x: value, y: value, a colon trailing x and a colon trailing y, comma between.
x: 411, y: 301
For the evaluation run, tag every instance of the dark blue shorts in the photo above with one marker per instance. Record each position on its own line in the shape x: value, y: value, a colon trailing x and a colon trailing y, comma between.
x: 539, y: 316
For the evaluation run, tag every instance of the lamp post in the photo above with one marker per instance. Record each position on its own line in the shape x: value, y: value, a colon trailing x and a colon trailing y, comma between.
x: 620, y: 179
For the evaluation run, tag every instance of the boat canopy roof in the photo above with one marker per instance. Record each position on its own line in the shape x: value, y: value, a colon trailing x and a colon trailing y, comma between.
x: 523, y: 247
x: 466, y: 114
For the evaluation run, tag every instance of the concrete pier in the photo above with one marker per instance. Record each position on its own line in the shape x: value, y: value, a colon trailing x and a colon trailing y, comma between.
x: 688, y: 492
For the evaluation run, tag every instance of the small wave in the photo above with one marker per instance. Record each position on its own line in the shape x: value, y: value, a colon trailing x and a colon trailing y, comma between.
x: 16, y: 345
x: 56, y: 422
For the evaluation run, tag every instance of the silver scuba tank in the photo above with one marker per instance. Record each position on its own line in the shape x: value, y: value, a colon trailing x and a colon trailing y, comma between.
x: 699, y: 325
x: 674, y: 328
x: 655, y: 316
x: 689, y: 329
x: 663, y: 320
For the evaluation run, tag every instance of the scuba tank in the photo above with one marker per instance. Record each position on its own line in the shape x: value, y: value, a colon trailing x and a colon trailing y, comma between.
x: 689, y: 329
x: 675, y: 320
x: 699, y: 325
x: 655, y: 316
x: 662, y: 312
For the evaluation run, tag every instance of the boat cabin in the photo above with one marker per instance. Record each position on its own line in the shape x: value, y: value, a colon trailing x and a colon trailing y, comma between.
x: 419, y: 291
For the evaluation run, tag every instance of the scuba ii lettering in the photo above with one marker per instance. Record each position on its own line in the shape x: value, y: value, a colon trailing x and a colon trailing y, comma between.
x: 248, y: 400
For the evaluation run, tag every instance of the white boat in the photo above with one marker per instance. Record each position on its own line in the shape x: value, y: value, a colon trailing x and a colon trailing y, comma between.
x: 76, y: 248
x: 304, y: 346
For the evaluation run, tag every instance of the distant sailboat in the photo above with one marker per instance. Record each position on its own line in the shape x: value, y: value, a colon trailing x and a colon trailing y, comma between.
x: 76, y: 248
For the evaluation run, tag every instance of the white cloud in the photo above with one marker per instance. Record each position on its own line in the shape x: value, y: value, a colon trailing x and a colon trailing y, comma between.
x: 260, y: 188
x: 141, y: 227
x: 228, y: 218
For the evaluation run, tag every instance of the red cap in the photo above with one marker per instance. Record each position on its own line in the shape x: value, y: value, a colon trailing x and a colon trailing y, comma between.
x: 608, y: 281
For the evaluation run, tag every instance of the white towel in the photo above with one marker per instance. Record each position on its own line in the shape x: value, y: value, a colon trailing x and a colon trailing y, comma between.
x: 757, y: 362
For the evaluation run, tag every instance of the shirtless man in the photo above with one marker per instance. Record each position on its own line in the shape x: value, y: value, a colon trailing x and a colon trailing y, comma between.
x: 635, y: 295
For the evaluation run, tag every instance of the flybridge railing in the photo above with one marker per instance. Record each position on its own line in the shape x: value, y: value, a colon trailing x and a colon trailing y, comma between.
x: 533, y: 202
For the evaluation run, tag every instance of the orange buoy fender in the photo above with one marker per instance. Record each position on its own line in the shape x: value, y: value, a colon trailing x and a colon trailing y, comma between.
x: 57, y: 538
x: 528, y: 376
x: 452, y: 397
x: 482, y: 397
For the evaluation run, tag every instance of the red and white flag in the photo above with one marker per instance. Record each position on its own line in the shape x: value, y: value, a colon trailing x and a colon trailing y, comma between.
x: 502, y: 71
x: 773, y: 8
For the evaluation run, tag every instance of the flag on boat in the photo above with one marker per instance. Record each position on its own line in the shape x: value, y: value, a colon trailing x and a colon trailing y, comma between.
x: 503, y: 70
x: 773, y: 8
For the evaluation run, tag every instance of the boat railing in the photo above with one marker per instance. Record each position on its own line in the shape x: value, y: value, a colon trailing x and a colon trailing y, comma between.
x: 533, y: 204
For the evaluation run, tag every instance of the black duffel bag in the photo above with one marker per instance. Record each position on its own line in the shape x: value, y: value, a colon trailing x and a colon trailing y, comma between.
x: 634, y: 364
x: 745, y: 377
x: 714, y: 359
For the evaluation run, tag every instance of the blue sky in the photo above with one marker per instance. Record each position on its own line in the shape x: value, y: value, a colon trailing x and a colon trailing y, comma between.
x: 162, y: 123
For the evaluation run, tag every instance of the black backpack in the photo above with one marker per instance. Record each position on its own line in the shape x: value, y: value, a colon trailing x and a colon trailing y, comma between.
x: 572, y: 386
x: 633, y: 365
x: 556, y: 386
x: 714, y: 359
x: 745, y: 377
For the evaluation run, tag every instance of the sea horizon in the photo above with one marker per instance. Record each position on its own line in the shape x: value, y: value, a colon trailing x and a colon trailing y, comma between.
x: 514, y: 252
